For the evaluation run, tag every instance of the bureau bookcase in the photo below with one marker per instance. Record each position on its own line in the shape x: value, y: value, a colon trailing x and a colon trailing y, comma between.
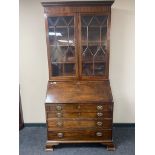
x: 79, y: 103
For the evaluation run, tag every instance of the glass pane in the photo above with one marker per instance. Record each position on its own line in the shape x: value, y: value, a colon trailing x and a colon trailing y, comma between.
x: 63, y: 54
x: 99, y: 54
x: 57, y: 69
x: 58, y: 54
x: 94, y: 44
x: 87, y: 69
x: 52, y: 21
x: 61, y: 36
x: 99, y: 69
x: 104, y: 36
x: 93, y: 35
x: 69, y: 69
x: 87, y: 54
x: 70, y: 54
x: 62, y: 69
x: 62, y: 45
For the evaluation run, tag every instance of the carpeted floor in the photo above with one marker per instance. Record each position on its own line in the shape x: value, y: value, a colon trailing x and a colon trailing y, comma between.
x: 32, y: 142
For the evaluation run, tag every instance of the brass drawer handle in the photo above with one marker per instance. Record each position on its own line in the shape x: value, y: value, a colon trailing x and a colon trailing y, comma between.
x: 58, y: 107
x: 78, y: 107
x: 60, y: 135
x: 99, y: 123
x: 99, y: 107
x: 59, y: 124
x: 99, y: 114
x: 98, y: 134
x: 59, y: 114
x: 79, y: 114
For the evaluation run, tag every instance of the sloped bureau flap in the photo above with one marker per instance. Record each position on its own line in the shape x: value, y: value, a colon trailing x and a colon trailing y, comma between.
x: 79, y: 92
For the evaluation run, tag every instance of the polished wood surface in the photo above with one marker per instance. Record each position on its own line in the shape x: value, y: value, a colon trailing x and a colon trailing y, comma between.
x: 79, y: 114
x: 78, y: 124
x: 80, y: 92
x: 79, y: 104
x: 80, y: 135
x: 79, y: 107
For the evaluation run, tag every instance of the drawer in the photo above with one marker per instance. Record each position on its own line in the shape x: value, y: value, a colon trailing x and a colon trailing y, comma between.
x: 60, y: 114
x: 80, y: 135
x: 78, y: 123
x: 79, y: 107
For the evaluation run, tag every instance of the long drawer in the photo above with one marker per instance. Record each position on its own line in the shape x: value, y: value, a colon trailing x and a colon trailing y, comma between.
x: 78, y: 123
x: 80, y: 135
x: 84, y: 107
x: 60, y: 114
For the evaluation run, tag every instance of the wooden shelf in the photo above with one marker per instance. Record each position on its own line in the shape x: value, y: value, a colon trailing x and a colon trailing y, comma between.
x: 72, y: 26
x: 68, y: 74
x: 64, y: 62
x: 84, y: 43
x: 73, y: 62
x: 63, y: 45
x: 93, y: 26
x: 84, y: 62
x: 93, y: 43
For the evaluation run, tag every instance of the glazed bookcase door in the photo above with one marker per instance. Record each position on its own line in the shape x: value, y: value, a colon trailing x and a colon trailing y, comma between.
x: 94, y: 46
x: 61, y: 47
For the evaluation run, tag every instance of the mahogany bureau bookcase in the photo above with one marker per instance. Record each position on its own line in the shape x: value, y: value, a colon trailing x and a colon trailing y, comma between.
x: 79, y: 102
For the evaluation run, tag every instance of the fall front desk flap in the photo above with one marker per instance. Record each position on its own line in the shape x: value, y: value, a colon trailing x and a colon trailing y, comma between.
x: 79, y: 91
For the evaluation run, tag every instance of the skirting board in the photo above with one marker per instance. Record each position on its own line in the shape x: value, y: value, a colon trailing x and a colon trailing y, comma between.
x: 124, y: 125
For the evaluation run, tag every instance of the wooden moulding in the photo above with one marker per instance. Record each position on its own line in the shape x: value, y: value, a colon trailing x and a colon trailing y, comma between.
x: 77, y: 3
x: 76, y: 6
x: 50, y: 144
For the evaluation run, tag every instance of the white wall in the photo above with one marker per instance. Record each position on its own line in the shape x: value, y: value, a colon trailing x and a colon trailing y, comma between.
x: 34, y: 69
x: 122, y: 60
